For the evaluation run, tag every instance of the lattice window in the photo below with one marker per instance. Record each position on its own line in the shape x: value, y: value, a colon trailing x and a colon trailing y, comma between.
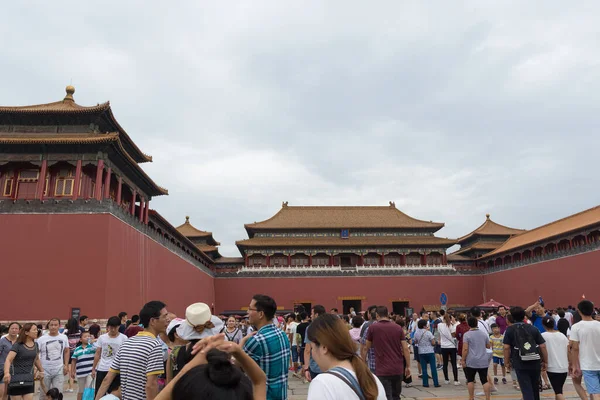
x: 257, y: 261
x: 299, y: 261
x: 8, y: 187
x: 320, y: 261
x: 413, y: 259
x: 64, y: 187
x: 371, y: 259
x: 279, y: 260
x: 392, y: 259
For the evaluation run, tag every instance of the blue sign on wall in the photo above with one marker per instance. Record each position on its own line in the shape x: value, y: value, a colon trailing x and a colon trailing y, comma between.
x: 345, y: 233
x: 443, y: 299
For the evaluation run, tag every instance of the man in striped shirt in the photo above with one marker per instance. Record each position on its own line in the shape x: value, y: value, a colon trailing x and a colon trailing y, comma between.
x: 269, y: 347
x: 140, y: 359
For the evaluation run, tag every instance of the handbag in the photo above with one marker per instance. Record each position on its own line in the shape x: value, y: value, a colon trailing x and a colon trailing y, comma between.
x: 20, y: 380
x: 89, y: 392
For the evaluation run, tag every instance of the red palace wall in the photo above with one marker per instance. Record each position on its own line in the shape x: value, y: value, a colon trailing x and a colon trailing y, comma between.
x: 560, y: 282
x: 53, y: 262
x: 235, y: 293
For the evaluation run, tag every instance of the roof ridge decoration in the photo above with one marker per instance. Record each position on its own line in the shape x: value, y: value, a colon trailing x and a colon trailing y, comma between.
x: 526, y: 238
x: 489, y: 225
x: 344, y: 217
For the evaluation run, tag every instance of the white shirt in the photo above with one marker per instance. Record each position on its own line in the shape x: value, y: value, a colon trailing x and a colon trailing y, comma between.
x: 110, y: 347
x: 446, y: 339
x: 52, y: 352
x: 587, y: 333
x: 569, y: 317
x: 291, y: 329
x: 557, y: 345
x: 486, y: 327
x: 330, y: 387
x: 110, y: 397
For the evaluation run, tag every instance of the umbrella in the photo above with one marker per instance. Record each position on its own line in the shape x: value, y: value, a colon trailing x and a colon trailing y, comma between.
x: 491, y: 304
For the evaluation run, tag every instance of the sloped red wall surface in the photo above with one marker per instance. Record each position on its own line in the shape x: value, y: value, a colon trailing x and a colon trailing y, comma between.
x: 234, y: 293
x: 50, y: 263
x: 560, y: 282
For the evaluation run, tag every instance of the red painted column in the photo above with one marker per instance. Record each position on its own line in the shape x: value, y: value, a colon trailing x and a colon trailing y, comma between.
x: 119, y: 191
x: 98, y: 188
x: 77, y: 183
x: 141, y: 210
x: 107, y: 183
x: 147, y: 212
x: 133, y: 196
x: 424, y: 259
x: 246, y: 260
x: 268, y: 261
x: 310, y: 260
x: 402, y: 259
x: 587, y: 239
x: 382, y: 260
x: 361, y: 260
x: 444, y: 259
x: 289, y: 260
x: 331, y: 261
x: 41, y: 180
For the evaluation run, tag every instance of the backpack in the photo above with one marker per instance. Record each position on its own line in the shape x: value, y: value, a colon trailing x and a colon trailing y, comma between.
x: 525, y: 344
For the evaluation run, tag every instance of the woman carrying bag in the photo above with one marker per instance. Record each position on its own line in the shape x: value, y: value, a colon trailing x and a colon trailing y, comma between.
x: 448, y: 342
x: 345, y: 376
x: 18, y: 367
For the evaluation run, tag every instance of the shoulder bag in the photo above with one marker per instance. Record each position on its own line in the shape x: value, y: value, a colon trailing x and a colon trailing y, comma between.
x: 451, y: 339
x: 348, y: 379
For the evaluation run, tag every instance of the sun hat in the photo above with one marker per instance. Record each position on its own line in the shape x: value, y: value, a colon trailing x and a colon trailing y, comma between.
x: 199, y: 323
x: 174, y: 324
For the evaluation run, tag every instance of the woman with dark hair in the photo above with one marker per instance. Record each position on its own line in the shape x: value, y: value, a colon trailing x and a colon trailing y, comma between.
x: 73, y: 334
x: 426, y: 342
x: 211, y: 375
x: 232, y: 333
x: 54, y: 394
x: 19, y: 364
x: 6, y: 344
x: 448, y: 343
x: 557, y: 346
x: 461, y: 329
x: 346, y: 376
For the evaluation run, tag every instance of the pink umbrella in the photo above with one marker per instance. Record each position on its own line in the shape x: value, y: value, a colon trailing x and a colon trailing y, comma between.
x: 491, y: 304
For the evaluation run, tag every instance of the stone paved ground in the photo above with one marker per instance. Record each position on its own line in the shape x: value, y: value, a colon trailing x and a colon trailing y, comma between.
x: 299, y: 390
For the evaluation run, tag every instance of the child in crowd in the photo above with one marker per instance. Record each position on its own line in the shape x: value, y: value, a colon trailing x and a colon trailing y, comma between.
x: 497, y: 340
x: 114, y: 391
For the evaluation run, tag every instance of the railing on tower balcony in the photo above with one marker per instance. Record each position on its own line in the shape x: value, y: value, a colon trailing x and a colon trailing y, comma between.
x: 343, y: 270
x: 584, y: 248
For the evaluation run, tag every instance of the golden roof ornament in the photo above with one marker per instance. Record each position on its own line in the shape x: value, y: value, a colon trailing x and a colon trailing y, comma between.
x: 487, y: 216
x: 187, y: 219
x: 70, y: 91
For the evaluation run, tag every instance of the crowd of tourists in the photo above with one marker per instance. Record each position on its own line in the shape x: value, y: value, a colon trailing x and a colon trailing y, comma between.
x: 156, y: 355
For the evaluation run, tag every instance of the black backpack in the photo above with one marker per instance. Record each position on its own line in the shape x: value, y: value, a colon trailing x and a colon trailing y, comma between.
x: 525, y: 343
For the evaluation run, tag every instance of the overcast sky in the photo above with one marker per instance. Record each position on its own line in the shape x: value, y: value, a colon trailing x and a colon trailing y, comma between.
x: 452, y: 111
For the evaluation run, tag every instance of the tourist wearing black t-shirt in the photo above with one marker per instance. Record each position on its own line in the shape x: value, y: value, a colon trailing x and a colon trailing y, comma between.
x: 528, y: 372
x: 563, y: 324
x: 301, y: 330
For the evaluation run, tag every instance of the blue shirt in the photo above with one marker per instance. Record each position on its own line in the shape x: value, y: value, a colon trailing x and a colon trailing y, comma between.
x: 312, y: 365
x: 536, y: 320
x: 271, y: 350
